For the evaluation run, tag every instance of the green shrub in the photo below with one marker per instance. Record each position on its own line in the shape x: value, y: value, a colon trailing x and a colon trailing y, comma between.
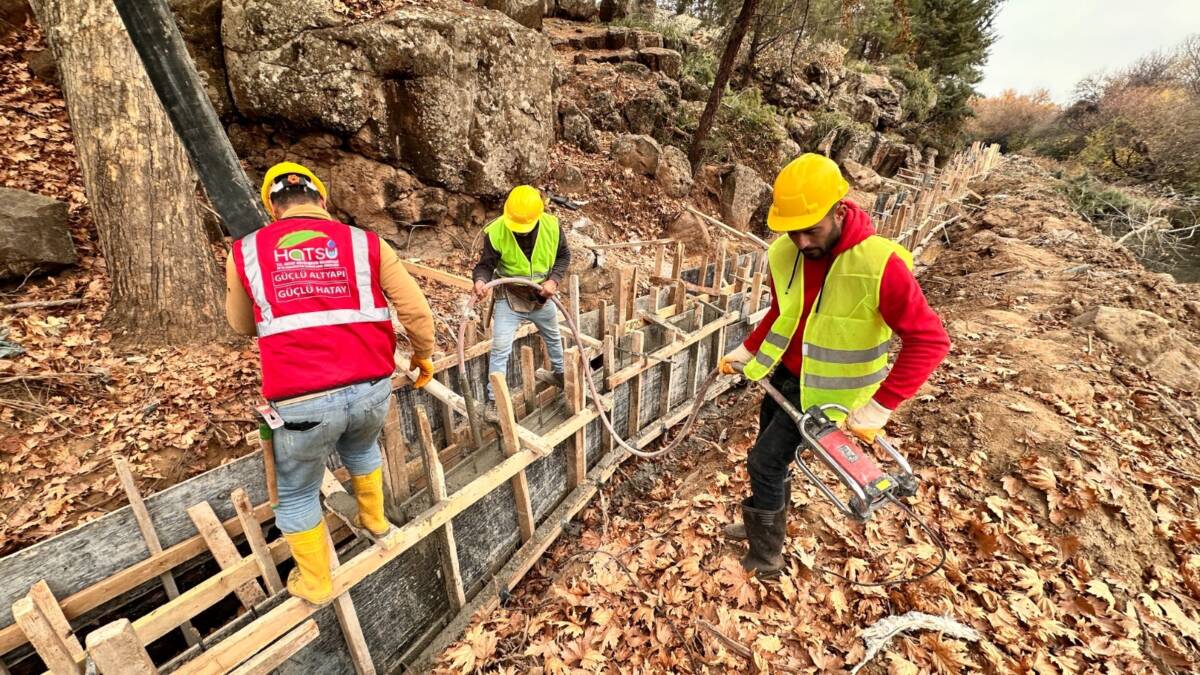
x: 829, y: 120
x: 668, y: 30
x: 1098, y: 201
x: 700, y: 65
x: 920, y: 93
x: 746, y: 130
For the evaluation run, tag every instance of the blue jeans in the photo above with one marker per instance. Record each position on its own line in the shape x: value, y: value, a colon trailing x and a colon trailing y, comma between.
x: 349, y: 421
x: 506, y: 321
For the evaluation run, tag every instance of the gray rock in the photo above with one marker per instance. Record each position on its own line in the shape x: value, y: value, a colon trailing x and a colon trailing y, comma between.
x: 692, y: 230
x: 568, y: 180
x: 199, y: 23
x: 576, y: 127
x: 674, y: 172
x: 641, y: 39
x: 528, y: 13
x: 616, y: 38
x: 691, y: 89
x: 33, y: 234
x: 1148, y: 340
x: 647, y: 113
x: 42, y: 65
x: 453, y: 96
x: 602, y: 110
x: 579, y: 10
x: 583, y: 257
x: 610, y: 10
x: 665, y: 61
x: 638, y: 152
x: 861, y: 177
x: 744, y: 197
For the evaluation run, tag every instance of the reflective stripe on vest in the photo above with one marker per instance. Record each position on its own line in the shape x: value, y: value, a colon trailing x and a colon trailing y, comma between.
x: 513, y: 261
x: 268, y: 324
x: 845, y: 338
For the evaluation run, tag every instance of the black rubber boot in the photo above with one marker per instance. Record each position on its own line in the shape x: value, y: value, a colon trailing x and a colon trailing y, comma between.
x: 736, y: 531
x: 765, y: 530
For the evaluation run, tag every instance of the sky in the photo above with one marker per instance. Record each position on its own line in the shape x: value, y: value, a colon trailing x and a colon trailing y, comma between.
x: 1053, y: 44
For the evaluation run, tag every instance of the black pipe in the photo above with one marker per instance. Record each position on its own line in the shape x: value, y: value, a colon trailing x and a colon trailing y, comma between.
x: 154, y: 34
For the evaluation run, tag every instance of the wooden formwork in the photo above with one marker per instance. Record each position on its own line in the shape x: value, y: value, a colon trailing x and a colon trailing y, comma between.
x: 473, y: 518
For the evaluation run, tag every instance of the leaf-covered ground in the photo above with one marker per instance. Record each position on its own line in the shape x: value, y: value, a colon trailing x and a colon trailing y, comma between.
x: 1062, y: 479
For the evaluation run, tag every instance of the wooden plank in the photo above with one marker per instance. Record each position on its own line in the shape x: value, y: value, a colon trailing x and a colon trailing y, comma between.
x: 258, y: 543
x: 528, y: 382
x: 395, y: 453
x: 756, y: 288
x: 658, y: 260
x: 635, y: 387
x: 573, y: 304
x: 677, y: 263
x: 343, y: 608
x: 573, y: 389
x: 150, y: 536
x: 602, y: 327
x: 43, y: 598
x: 529, y: 440
x: 635, y: 280
x: 223, y: 551
x: 49, y: 644
x: 425, y: 272
x: 116, y: 650
x: 621, y: 281
x: 510, y: 446
x: 630, y: 244
x: 680, y: 301
x: 266, y: 661
x: 671, y: 349
x: 446, y: 413
x: 722, y: 254
x: 436, y: 480
x: 744, y: 236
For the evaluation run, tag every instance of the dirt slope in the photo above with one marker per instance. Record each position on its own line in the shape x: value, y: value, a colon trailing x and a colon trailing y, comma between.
x: 1059, y: 472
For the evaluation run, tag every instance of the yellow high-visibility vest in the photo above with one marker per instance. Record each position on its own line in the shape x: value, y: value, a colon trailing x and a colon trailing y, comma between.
x: 845, y: 336
x: 513, y: 261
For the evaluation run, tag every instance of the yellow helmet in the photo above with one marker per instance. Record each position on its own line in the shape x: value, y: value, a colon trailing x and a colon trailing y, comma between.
x: 284, y: 168
x: 523, y: 208
x: 804, y: 192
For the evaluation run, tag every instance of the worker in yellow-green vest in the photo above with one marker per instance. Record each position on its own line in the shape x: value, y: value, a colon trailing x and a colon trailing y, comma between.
x: 838, y: 291
x: 524, y: 242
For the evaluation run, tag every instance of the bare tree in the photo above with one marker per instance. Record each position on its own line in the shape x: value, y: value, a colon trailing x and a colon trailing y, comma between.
x: 1188, y: 59
x: 736, y: 34
x: 141, y: 188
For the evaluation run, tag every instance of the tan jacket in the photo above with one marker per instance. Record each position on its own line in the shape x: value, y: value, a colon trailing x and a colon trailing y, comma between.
x: 406, y: 297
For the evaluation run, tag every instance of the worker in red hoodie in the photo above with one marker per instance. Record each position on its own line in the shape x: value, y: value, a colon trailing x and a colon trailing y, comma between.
x: 838, y: 291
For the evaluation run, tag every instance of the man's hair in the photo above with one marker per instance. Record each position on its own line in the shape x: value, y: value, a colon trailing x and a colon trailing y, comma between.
x: 291, y: 195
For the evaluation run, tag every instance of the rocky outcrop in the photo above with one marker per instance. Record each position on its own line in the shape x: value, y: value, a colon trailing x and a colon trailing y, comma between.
x: 665, y: 61
x: 744, y: 197
x: 528, y: 13
x: 568, y: 180
x: 674, y: 172
x: 611, y: 10
x: 199, y: 23
x: 453, y: 96
x: 638, y: 152
x: 34, y: 237
x: 861, y: 177
x: 692, y: 231
x: 579, y: 10
x: 576, y: 128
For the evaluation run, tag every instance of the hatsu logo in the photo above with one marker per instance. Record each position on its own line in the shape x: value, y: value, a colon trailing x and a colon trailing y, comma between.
x: 288, y: 249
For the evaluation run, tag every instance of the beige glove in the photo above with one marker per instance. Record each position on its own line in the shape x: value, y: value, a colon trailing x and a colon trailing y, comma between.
x: 868, y: 421
x: 739, y: 356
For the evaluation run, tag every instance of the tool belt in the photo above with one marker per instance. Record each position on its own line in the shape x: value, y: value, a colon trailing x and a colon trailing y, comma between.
x: 520, y: 298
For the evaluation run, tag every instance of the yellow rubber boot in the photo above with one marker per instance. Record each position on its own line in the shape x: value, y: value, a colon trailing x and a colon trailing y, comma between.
x: 368, y: 492
x: 310, y: 578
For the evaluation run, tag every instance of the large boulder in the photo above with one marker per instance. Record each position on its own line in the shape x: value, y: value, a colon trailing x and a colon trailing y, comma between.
x: 1148, y: 340
x: 744, y: 197
x: 199, y: 23
x: 568, y: 180
x: 34, y: 236
x: 579, y: 10
x: 452, y: 95
x: 576, y: 127
x: 861, y: 177
x: 611, y: 10
x: 660, y: 60
x: 528, y: 13
x: 603, y: 111
x: 674, y: 172
x: 692, y: 230
x: 638, y: 152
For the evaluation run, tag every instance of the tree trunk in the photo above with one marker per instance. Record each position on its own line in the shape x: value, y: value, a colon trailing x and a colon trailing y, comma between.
x: 738, y: 33
x: 165, y: 283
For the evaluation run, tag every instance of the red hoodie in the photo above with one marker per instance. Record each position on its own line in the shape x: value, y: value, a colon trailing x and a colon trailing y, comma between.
x: 924, y: 342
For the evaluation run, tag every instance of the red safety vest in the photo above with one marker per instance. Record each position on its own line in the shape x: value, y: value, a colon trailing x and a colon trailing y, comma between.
x: 320, y: 313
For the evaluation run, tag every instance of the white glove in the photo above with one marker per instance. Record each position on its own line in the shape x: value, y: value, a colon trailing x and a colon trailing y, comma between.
x: 868, y: 421
x: 739, y: 356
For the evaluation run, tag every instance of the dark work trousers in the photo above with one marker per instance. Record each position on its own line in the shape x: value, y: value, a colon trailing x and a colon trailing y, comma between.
x: 775, y: 448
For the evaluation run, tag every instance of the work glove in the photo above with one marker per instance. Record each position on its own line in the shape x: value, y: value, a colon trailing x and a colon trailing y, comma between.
x: 738, y: 357
x: 867, y: 422
x: 424, y: 368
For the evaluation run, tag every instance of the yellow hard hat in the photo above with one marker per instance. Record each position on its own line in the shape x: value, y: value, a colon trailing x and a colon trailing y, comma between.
x: 282, y: 169
x: 523, y: 208
x: 804, y: 192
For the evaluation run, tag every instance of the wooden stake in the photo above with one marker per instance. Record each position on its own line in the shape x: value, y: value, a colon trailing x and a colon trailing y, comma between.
x: 573, y: 389
x: 635, y: 280
x: 620, y: 290
x: 719, y: 276
x: 343, y: 607
x: 258, y: 543
x: 223, y: 550
x: 528, y: 382
x: 436, y: 479
x: 116, y: 650
x: 602, y: 329
x: 447, y: 414
x: 677, y: 263
x: 43, y: 598
x: 150, y: 536
x: 658, y: 260
x: 395, y: 454
x: 635, y: 387
x: 510, y: 446
x: 680, y: 296
x: 50, y: 645
x: 266, y: 661
x: 573, y: 300
x: 760, y: 270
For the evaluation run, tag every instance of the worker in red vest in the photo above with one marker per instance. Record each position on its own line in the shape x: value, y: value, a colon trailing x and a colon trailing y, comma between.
x: 316, y: 293
x: 838, y: 294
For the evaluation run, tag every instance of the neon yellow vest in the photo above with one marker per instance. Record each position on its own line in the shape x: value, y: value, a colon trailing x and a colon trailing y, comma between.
x: 845, y: 336
x: 513, y: 261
